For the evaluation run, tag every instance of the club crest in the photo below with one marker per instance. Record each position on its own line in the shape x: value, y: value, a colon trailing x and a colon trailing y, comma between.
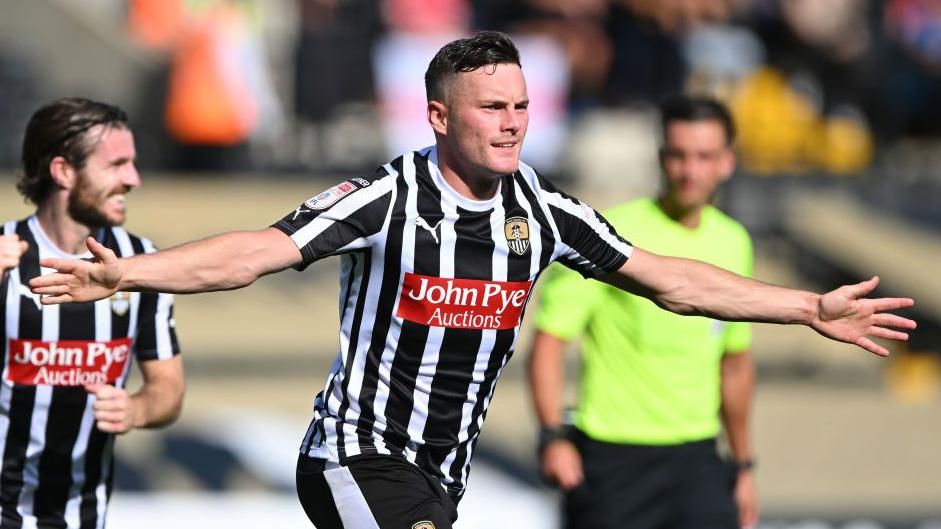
x: 423, y: 525
x: 120, y: 303
x: 516, y: 230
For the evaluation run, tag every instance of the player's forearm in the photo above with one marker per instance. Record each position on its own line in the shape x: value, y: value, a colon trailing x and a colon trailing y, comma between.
x: 688, y: 287
x: 738, y: 387
x: 222, y: 262
x: 547, y: 378
x: 158, y: 403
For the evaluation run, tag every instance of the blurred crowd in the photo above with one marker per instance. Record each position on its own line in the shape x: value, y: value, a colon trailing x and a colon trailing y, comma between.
x: 320, y: 84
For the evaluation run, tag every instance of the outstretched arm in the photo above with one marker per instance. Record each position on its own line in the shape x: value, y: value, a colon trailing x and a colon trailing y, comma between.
x: 223, y: 262
x: 686, y: 286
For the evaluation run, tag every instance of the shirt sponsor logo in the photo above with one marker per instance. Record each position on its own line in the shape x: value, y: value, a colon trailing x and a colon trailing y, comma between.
x: 516, y: 230
x: 332, y: 196
x: 462, y: 303
x: 66, y: 362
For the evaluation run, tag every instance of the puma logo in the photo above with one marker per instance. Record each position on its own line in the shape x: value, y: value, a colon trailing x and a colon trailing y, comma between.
x: 298, y: 212
x: 422, y: 223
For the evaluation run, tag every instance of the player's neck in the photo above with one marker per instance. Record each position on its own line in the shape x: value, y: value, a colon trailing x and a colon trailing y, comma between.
x: 687, y: 217
x: 464, y: 181
x: 61, y: 229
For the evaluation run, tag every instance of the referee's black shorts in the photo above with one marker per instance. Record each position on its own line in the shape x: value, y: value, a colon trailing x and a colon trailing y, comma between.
x: 372, y: 492
x: 684, y: 486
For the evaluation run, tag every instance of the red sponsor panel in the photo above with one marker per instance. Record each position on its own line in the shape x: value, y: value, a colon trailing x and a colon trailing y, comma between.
x: 462, y: 303
x: 66, y: 362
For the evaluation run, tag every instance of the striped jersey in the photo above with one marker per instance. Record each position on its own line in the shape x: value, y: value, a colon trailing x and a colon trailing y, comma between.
x: 56, y: 465
x: 433, y: 290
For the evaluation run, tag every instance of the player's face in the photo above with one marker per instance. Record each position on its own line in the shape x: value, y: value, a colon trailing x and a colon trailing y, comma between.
x: 486, y: 119
x: 695, y: 159
x: 108, y: 176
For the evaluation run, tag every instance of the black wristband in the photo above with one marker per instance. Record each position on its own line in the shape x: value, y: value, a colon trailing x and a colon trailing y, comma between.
x: 548, y: 434
x: 744, y: 464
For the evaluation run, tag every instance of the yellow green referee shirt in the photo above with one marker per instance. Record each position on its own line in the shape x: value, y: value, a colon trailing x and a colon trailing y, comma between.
x: 649, y: 376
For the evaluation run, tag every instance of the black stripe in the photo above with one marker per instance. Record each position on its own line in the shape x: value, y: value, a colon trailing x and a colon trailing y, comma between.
x: 100, y: 445
x: 392, y: 266
x: 22, y: 398
x: 546, y: 236
x: 413, y: 337
x: 30, y: 324
x: 14, y: 455
x: 354, y: 343
x: 120, y: 323
x: 473, y: 259
x: 66, y: 409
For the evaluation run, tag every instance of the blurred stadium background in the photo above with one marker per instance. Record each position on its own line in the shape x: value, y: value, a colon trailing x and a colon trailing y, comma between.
x: 243, y: 109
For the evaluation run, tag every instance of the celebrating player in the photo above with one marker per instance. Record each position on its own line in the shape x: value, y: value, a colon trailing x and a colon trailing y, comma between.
x: 439, y: 251
x: 62, y: 396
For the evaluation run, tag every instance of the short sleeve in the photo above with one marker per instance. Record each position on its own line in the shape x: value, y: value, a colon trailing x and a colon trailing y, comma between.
x: 738, y: 335
x: 156, y: 329
x: 566, y: 303
x: 589, y: 244
x: 340, y: 219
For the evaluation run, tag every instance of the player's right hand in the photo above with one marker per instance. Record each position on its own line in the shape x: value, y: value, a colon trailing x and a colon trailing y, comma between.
x: 562, y: 464
x: 11, y: 250
x: 79, y: 280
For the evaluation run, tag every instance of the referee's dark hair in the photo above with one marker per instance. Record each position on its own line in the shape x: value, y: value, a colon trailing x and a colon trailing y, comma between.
x: 60, y: 128
x: 696, y: 108
x: 466, y: 55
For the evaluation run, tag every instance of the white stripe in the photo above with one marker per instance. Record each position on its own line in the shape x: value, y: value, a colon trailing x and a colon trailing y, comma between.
x: 533, y: 181
x: 351, y: 505
x: 79, y: 452
x: 431, y: 353
x: 12, y: 302
x: 407, y: 263
x: 499, y: 271
x: 40, y: 413
x: 126, y: 249
x: 535, y: 235
x: 448, y: 245
x: 346, y: 207
x: 73, y: 504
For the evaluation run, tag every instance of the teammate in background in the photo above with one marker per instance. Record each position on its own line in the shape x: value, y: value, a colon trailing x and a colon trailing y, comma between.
x: 434, y: 279
x: 62, y: 396
x: 642, y: 452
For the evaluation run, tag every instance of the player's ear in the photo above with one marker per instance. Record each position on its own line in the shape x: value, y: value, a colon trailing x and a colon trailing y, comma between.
x: 62, y: 172
x: 438, y: 117
x: 728, y: 164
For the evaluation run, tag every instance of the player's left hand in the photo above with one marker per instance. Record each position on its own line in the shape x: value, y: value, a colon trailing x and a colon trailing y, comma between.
x: 746, y: 498
x: 846, y: 315
x: 114, y: 409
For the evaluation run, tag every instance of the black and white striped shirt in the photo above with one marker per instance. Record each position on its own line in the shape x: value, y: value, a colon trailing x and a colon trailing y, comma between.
x: 56, y: 465
x: 433, y: 289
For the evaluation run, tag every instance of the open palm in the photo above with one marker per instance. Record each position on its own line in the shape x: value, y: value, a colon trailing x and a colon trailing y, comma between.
x: 79, y: 280
x: 846, y: 315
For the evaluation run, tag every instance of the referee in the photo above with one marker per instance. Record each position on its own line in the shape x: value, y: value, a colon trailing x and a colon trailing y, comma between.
x: 654, y: 385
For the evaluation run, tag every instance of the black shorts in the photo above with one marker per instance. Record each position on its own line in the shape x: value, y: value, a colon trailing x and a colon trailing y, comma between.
x: 683, y: 486
x: 370, y: 492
